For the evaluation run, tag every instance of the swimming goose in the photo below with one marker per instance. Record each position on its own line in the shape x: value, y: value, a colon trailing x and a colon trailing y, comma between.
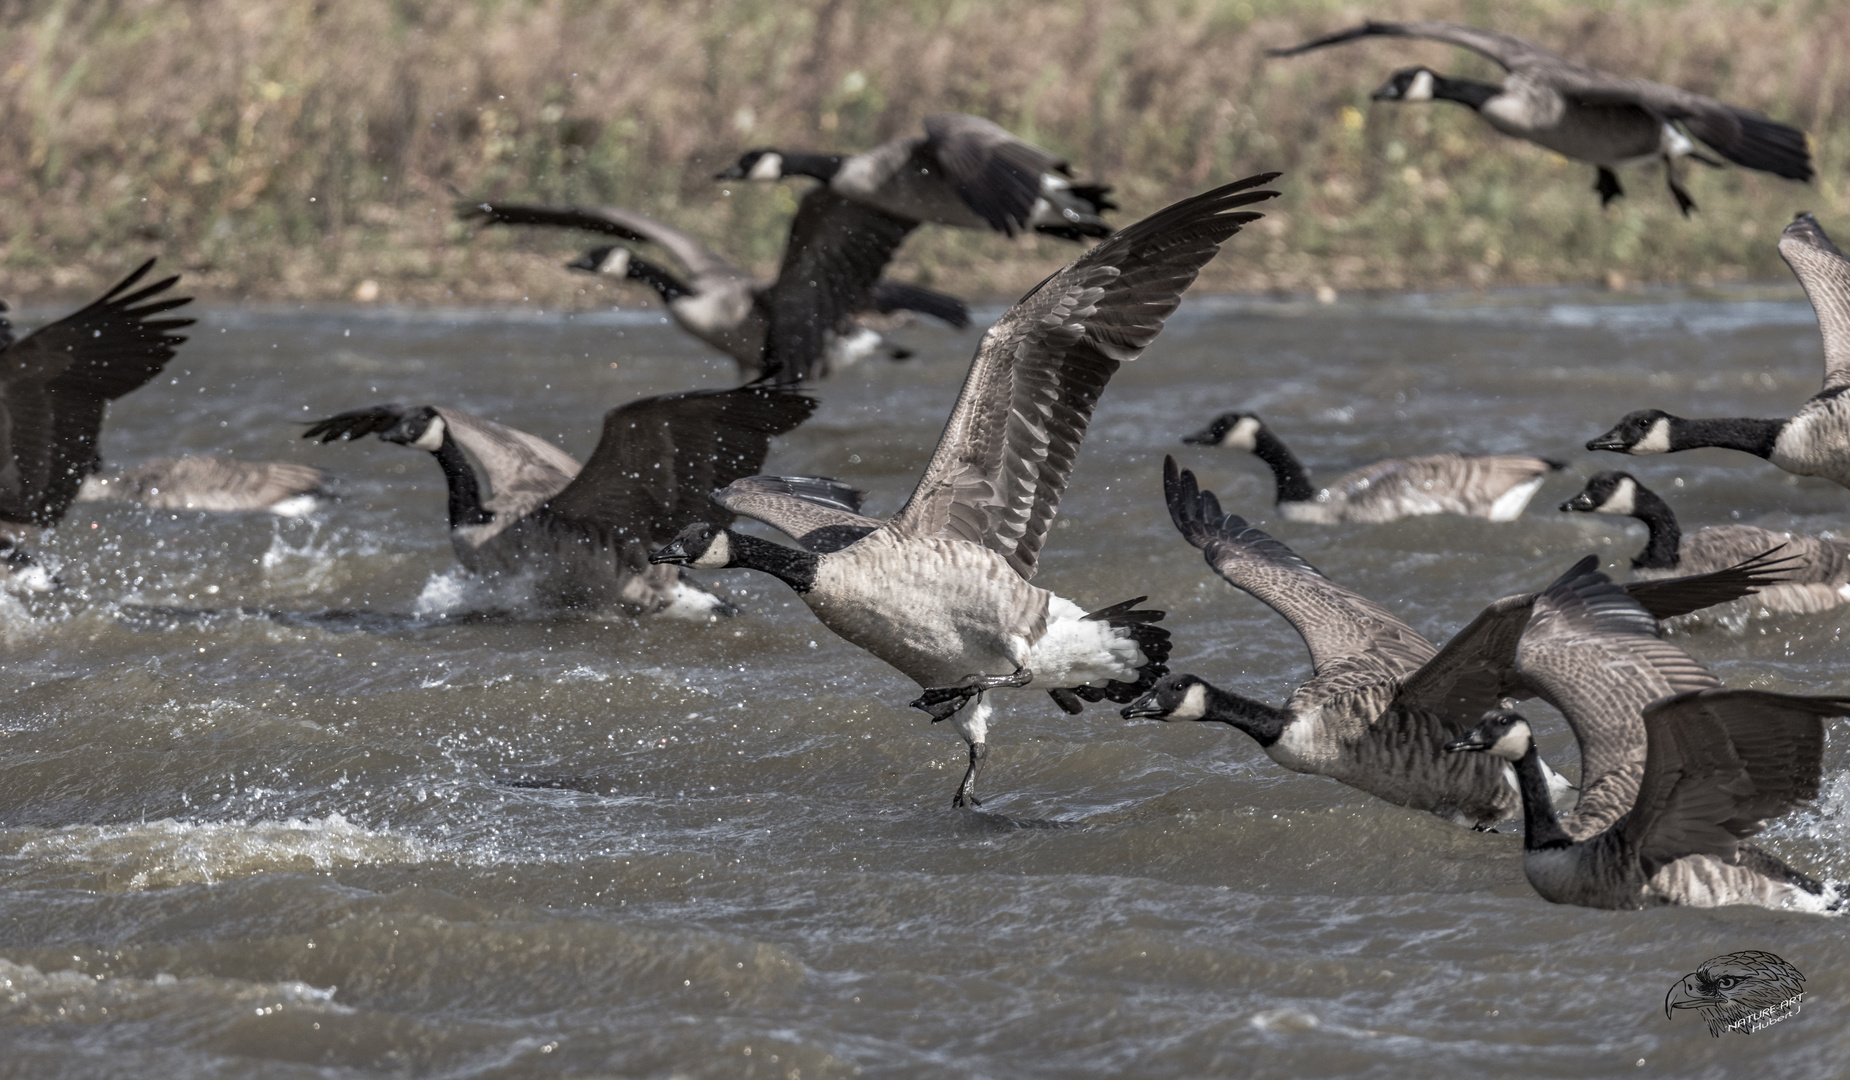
x: 831, y: 270
x: 1815, y: 440
x: 965, y: 172
x: 941, y: 591
x: 1605, y: 120
x: 54, y: 384
x: 1381, y: 701
x: 1496, y: 487
x: 1719, y: 765
x: 1818, y: 574
x: 220, y: 484
x: 583, y: 535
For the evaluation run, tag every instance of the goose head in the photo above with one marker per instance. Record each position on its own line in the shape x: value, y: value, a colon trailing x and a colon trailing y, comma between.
x: 1501, y: 733
x: 610, y: 261
x: 760, y: 164
x: 1174, y: 697
x: 420, y: 428
x: 1606, y: 493
x: 700, y: 545
x: 1806, y: 231
x: 1238, y: 430
x: 1646, y: 431
x: 1408, y: 84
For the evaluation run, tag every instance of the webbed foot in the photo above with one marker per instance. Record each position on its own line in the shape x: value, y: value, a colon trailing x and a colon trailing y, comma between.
x: 939, y: 702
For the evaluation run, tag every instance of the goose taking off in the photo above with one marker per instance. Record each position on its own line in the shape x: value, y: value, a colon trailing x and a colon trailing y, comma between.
x: 1605, y: 120
x: 805, y: 320
x: 941, y: 590
x: 54, y: 383
x: 1817, y: 577
x: 1381, y: 702
x: 1815, y: 441
x: 217, y: 484
x: 965, y: 172
x: 583, y: 535
x: 1496, y: 487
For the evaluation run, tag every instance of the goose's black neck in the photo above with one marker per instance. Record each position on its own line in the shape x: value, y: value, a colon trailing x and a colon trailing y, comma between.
x: 670, y: 287
x: 821, y: 166
x: 1264, y: 723
x: 1464, y: 91
x: 1541, y: 828
x: 789, y: 565
x: 1737, y: 433
x: 1662, y: 551
x: 465, y: 494
x: 1293, y: 481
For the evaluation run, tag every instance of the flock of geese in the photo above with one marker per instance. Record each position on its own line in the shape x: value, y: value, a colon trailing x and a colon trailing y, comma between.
x: 1677, y: 772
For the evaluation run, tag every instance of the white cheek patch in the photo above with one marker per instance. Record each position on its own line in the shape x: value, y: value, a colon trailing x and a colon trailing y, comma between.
x: 617, y: 263
x: 432, y: 438
x: 768, y: 167
x: 1243, y: 435
x: 1513, y: 744
x: 1194, y: 704
x: 1656, y: 440
x: 1623, y: 500
x: 717, y: 554
x: 1420, y: 89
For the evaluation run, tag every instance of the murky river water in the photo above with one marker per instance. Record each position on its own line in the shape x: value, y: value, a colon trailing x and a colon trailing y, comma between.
x: 237, y: 843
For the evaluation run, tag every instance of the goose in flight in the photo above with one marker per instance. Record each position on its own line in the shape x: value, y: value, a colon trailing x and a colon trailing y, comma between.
x: 1817, y: 577
x: 965, y: 172
x: 1382, y: 702
x: 941, y: 591
x: 213, y: 483
x: 1815, y: 440
x: 803, y: 324
x: 1495, y: 487
x: 1712, y: 765
x: 54, y: 384
x: 582, y: 535
x: 1605, y: 120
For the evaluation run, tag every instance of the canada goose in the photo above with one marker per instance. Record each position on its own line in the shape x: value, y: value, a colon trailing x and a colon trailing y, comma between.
x: 1719, y: 764
x: 54, y: 383
x: 830, y: 274
x: 1818, y: 574
x: 965, y: 172
x: 1815, y: 440
x: 941, y: 590
x: 582, y: 535
x: 1495, y: 487
x: 1587, y: 115
x: 1381, y: 702
x: 201, y: 482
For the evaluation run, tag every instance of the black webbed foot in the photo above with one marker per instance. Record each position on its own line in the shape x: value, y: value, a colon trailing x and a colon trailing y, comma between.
x: 1684, y: 202
x: 966, y: 791
x: 939, y: 702
x: 1608, y: 186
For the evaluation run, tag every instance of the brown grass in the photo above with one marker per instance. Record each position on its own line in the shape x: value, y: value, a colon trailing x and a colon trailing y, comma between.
x: 295, y: 148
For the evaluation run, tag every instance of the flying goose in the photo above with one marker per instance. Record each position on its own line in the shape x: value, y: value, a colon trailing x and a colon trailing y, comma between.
x: 54, y: 383
x: 583, y: 535
x: 212, y: 483
x: 1495, y: 487
x: 965, y: 172
x: 831, y: 270
x: 1815, y: 440
x: 941, y: 590
x: 1712, y: 765
x: 1818, y: 568
x: 1587, y: 115
x: 1381, y: 701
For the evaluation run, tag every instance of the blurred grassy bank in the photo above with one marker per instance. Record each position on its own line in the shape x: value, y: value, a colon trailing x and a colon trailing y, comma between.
x: 278, y: 149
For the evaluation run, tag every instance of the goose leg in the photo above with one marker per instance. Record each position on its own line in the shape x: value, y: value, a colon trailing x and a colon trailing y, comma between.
x: 973, y: 724
x: 966, y: 791
x: 939, y: 702
x: 1608, y: 186
x: 1684, y: 202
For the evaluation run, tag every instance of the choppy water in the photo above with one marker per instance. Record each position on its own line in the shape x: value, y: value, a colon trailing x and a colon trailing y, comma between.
x: 241, y: 843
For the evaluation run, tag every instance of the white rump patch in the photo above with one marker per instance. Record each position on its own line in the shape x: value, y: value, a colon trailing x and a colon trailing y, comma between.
x: 846, y: 350
x: 432, y: 439
x: 32, y: 578
x: 295, y: 506
x: 1078, y: 650
x: 1509, y: 505
x: 1243, y: 435
x: 695, y: 604
x: 1655, y: 441
x: 1623, y: 500
x: 768, y: 167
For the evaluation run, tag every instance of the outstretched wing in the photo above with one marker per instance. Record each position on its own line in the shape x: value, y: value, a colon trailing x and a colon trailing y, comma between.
x: 660, y: 458
x: 523, y: 470
x: 1007, y: 452
x: 821, y: 514
x: 1743, y: 136
x: 1339, y: 626
x: 55, y: 382
x: 1507, y: 50
x: 836, y: 252
x: 996, y: 174
x: 700, y: 260
x: 1825, y: 273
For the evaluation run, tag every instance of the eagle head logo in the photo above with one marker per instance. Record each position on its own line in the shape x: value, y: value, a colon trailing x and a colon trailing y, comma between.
x: 1741, y: 991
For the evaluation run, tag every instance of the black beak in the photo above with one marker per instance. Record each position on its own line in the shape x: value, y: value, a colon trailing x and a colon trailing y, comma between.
x: 1144, y: 708
x: 733, y: 173
x: 1582, y: 502
x: 1472, y: 740
x: 1608, y: 441
x: 1386, y: 93
x: 1204, y: 437
x: 672, y: 554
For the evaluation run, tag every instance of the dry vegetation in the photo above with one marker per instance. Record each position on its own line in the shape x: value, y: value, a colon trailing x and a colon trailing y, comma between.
x: 296, y: 148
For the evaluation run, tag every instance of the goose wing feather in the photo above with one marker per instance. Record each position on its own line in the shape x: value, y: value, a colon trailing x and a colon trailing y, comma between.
x: 994, y: 172
x: 1449, y: 483
x: 1825, y: 273
x: 1007, y: 452
x: 821, y: 514
x: 1511, y: 52
x: 836, y: 252
x: 700, y: 260
x: 522, y: 470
